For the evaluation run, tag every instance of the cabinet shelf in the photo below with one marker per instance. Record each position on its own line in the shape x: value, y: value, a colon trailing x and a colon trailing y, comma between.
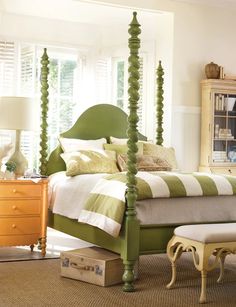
x: 225, y: 116
x: 226, y: 140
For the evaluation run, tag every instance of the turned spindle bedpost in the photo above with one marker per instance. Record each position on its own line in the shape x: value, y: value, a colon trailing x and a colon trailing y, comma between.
x: 160, y: 105
x: 130, y: 253
x: 44, y: 112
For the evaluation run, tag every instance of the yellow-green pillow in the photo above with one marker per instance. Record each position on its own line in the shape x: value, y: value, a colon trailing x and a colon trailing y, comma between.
x: 144, y: 163
x: 122, y: 149
x: 90, y: 162
x: 118, y: 141
x: 164, y: 153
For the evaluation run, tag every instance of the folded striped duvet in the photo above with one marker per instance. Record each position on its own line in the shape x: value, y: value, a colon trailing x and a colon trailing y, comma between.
x: 105, y: 206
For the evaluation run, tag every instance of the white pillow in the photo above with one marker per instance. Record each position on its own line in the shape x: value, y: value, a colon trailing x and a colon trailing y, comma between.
x: 69, y: 145
x: 118, y: 141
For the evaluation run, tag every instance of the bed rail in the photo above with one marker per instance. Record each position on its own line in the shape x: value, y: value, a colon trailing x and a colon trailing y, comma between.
x: 44, y: 112
x: 160, y: 105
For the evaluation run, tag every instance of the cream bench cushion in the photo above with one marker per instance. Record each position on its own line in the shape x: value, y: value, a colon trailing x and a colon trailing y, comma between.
x: 208, y: 233
x: 203, y: 241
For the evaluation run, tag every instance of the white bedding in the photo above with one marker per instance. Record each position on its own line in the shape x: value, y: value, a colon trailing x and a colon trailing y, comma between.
x: 67, y: 196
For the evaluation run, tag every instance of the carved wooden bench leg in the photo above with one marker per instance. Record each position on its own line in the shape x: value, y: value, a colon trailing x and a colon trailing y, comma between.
x: 200, y: 256
x: 201, y: 240
x: 174, y: 251
x: 222, y: 262
x: 203, y: 287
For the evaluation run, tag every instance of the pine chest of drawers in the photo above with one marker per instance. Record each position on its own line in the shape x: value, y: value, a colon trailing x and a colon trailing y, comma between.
x: 23, y: 213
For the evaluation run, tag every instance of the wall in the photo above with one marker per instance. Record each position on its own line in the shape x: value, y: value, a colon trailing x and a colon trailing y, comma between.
x: 42, y: 30
x: 94, y: 40
x: 201, y: 34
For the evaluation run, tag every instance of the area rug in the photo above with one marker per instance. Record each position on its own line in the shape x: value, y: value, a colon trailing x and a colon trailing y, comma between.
x: 39, y: 284
x: 8, y: 254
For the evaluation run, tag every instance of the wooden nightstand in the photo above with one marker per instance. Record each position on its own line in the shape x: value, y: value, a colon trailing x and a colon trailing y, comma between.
x: 23, y: 213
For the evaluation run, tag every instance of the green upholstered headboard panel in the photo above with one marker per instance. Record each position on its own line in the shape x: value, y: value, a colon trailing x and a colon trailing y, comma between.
x: 102, y: 120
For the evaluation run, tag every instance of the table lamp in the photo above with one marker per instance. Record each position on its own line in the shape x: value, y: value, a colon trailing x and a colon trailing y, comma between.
x: 17, y: 113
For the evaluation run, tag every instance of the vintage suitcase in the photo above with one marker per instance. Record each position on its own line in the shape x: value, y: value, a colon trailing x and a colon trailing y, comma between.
x: 94, y: 265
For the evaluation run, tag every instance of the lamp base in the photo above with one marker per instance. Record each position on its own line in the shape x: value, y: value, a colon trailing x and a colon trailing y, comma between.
x: 20, y: 162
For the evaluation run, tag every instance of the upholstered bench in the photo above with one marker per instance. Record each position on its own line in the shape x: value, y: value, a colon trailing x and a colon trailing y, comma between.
x: 203, y: 240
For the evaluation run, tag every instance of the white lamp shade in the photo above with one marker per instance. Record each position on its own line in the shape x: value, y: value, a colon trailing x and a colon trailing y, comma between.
x: 17, y: 113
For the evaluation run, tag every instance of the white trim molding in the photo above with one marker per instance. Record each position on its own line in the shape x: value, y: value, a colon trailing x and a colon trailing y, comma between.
x: 185, y: 136
x: 186, y: 109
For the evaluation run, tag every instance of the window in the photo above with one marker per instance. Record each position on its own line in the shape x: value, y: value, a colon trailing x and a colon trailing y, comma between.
x: 120, y: 96
x: 23, y: 60
x: 62, y: 83
x: 120, y: 84
x: 103, y: 80
x: 7, y: 72
x: 7, y: 67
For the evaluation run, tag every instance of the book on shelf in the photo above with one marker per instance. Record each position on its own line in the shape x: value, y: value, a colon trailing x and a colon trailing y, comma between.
x: 230, y: 77
x: 219, y: 156
x: 221, y: 72
x: 226, y: 137
x: 219, y: 102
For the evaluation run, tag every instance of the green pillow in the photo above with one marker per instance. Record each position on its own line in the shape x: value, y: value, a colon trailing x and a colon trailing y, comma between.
x: 90, y: 162
x: 122, y: 149
x: 161, y: 152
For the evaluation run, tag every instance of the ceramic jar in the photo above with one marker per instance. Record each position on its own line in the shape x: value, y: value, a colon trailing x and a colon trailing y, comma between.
x: 212, y: 71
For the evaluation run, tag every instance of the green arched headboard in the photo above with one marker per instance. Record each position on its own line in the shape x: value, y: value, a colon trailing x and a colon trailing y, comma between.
x: 102, y: 120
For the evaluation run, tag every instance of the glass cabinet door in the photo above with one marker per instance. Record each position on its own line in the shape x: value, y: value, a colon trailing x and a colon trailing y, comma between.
x: 224, y: 139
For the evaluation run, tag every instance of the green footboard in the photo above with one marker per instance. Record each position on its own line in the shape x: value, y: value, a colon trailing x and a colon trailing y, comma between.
x: 153, y: 239
x: 84, y: 232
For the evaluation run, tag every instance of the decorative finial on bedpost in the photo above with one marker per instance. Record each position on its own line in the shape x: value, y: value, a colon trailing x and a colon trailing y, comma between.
x: 131, y: 223
x: 44, y: 111
x: 160, y: 81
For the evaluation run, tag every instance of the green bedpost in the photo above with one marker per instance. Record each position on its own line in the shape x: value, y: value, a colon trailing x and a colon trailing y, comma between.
x: 130, y: 249
x: 44, y: 112
x: 160, y: 81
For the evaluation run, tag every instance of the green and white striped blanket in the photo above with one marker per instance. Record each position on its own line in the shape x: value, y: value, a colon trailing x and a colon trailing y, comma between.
x: 105, y: 206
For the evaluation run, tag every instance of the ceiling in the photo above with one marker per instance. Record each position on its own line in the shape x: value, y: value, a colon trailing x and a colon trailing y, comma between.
x: 219, y: 3
x: 90, y: 12
x: 76, y: 11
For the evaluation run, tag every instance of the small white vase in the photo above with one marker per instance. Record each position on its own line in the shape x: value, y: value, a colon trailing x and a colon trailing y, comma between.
x: 9, y: 175
x: 2, y: 175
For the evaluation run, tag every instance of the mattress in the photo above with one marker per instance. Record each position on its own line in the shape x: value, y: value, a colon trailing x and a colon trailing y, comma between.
x: 67, y: 196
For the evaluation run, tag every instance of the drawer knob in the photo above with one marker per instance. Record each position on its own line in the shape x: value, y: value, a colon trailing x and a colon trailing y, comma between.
x: 14, y: 190
x: 14, y: 207
x: 13, y: 226
x: 230, y: 171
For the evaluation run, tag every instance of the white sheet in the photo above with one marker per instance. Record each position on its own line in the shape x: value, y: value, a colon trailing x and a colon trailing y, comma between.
x: 67, y: 196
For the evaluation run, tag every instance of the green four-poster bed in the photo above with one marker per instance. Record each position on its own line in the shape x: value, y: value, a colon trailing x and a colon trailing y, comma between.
x: 103, y: 121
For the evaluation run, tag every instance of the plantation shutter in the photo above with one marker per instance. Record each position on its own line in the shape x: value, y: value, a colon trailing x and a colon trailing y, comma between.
x: 7, y: 72
x: 63, y: 80
x: 29, y: 143
x: 7, y: 67
x: 103, y: 80
x: 121, y: 89
x: 27, y: 73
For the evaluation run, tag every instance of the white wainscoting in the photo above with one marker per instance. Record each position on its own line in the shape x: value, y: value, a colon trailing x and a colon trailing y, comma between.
x: 185, y: 136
